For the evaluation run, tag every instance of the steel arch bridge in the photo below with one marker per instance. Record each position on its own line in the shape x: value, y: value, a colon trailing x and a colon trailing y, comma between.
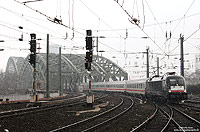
x: 72, y: 71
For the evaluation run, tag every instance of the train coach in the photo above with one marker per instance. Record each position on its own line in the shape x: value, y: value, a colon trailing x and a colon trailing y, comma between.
x: 169, y: 86
x: 133, y: 86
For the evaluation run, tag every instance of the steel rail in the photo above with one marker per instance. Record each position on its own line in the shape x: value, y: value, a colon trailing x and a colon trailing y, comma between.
x: 170, y: 119
x: 90, y: 118
x: 11, y: 113
x: 147, y: 120
x: 110, y: 119
x: 186, y: 115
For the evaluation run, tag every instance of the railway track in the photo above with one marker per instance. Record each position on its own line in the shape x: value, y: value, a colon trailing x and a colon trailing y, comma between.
x: 186, y: 122
x: 43, y: 118
x: 153, y: 122
x: 48, y: 106
x: 168, y: 118
x: 193, y: 107
x: 52, y: 105
x: 192, y: 101
x: 94, y: 122
x: 10, y: 106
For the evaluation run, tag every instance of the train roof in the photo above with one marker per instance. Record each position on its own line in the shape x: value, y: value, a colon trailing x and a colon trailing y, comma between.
x: 105, y: 83
x: 164, y: 77
x: 137, y: 80
x: 120, y: 82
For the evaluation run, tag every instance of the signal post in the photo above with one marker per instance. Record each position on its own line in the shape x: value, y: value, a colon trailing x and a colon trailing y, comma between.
x: 88, y: 64
x: 32, y: 61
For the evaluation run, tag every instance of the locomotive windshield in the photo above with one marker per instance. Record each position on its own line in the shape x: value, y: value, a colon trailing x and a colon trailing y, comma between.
x: 175, y: 81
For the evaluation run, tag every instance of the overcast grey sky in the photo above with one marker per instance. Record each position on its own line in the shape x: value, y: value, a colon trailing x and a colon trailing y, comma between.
x: 104, y: 18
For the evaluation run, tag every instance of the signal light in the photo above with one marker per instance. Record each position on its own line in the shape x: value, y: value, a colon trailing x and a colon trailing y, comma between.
x: 32, y: 42
x: 88, y: 57
x: 32, y: 59
x: 88, y: 43
x: 89, y: 47
x: 33, y: 46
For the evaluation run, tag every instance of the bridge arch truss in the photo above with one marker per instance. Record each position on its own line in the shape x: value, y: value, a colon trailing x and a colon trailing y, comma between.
x: 73, y: 71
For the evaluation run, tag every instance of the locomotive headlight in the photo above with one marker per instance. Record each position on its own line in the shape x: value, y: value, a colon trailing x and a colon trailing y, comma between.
x: 170, y: 91
x: 185, y: 90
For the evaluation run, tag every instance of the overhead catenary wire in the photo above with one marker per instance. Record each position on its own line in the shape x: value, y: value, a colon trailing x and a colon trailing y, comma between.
x: 100, y: 18
x: 149, y: 25
x: 135, y: 21
x: 7, y: 36
x: 16, y: 29
x: 110, y: 47
x: 184, y: 19
x: 13, y: 28
x: 29, y: 1
x: 187, y: 38
x: 20, y: 15
x: 154, y: 17
x: 36, y: 31
x: 57, y: 21
x: 183, y: 16
x: 143, y: 13
x: 192, y: 34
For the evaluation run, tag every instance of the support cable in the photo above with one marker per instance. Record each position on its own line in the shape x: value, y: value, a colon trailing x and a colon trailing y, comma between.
x: 187, y: 38
x: 134, y: 21
x: 149, y: 25
x: 19, y: 15
x: 54, y: 20
x: 183, y: 16
x: 100, y: 19
x: 154, y: 17
x: 192, y: 34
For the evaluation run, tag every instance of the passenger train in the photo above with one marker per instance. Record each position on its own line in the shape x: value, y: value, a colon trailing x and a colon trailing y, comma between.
x: 169, y: 86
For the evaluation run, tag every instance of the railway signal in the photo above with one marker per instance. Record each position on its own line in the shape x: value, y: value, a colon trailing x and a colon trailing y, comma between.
x: 89, y: 46
x: 32, y: 61
x: 88, y: 57
x: 88, y: 63
x: 88, y: 43
x: 33, y: 46
x: 32, y: 42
